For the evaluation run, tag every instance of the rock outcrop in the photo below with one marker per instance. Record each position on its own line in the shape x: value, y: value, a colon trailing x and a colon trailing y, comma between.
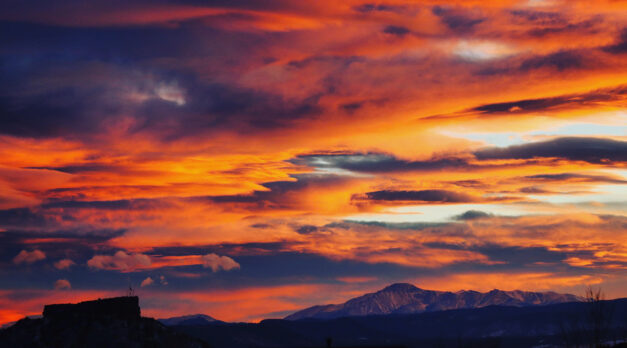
x: 113, y: 322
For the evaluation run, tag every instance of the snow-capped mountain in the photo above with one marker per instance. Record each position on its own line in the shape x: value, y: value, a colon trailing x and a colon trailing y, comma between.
x: 405, y: 298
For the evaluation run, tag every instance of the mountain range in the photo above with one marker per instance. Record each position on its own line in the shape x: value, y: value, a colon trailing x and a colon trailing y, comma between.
x: 403, y: 298
x: 497, y: 318
x: 557, y: 325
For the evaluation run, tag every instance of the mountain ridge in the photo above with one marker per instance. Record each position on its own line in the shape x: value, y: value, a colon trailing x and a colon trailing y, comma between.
x: 192, y: 319
x: 405, y: 298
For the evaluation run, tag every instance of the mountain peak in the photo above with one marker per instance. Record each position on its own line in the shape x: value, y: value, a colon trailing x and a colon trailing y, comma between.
x: 400, y: 287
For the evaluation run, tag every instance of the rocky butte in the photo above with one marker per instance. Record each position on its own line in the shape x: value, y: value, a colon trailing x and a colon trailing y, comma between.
x: 117, y: 308
x: 111, y: 322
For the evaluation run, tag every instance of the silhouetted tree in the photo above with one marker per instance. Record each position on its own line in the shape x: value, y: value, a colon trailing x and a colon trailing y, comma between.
x: 599, y: 316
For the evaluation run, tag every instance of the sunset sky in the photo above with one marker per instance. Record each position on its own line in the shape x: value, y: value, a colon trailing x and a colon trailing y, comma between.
x: 247, y: 158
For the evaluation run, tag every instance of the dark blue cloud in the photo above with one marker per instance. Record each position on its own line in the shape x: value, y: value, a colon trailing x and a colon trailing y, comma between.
x: 410, y: 226
x: 261, y: 226
x: 620, y: 46
x: 441, y: 196
x: 459, y: 21
x: 306, y: 229
x: 520, y: 256
x: 82, y: 168
x: 545, y: 23
x: 224, y: 249
x: 396, y: 30
x: 121, y: 204
x: 352, y: 107
x: 81, y: 111
x: 592, y: 150
x: 366, y: 8
x: 560, y: 61
x: 577, y: 177
x: 539, y: 18
x: 23, y: 218
x: 587, y: 27
x: 573, y: 101
x: 109, y: 64
x: 341, y: 61
x: 472, y: 215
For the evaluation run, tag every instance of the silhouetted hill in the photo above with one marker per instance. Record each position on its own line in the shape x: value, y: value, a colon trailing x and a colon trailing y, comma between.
x: 194, y: 319
x: 491, y: 326
x: 406, y: 298
x: 113, y: 322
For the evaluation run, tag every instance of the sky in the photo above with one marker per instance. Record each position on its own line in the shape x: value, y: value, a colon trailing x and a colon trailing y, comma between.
x: 246, y: 159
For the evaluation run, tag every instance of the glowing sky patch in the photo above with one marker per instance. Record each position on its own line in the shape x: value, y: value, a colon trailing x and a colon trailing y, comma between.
x: 171, y: 93
x: 482, y: 50
x: 439, y: 213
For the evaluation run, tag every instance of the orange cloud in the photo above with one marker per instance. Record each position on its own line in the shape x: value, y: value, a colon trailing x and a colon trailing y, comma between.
x: 28, y: 257
x: 62, y: 284
x: 64, y: 264
x: 119, y: 261
x: 527, y: 281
